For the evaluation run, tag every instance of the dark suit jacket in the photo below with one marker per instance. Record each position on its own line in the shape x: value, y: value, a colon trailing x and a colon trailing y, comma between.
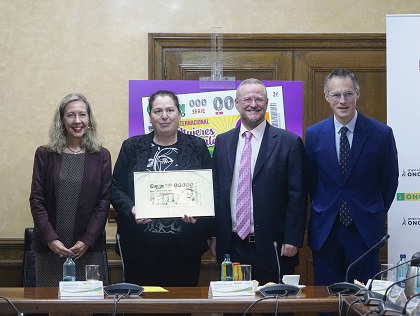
x: 134, y: 153
x: 370, y: 183
x: 278, y: 188
x: 93, y: 208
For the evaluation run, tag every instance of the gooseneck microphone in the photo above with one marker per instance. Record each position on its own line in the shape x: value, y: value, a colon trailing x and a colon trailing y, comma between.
x: 373, y: 298
x: 117, y: 237
x: 389, y: 308
x: 127, y: 289
x: 351, y: 288
x: 404, y: 311
x: 401, y: 281
x: 278, y: 261
x: 280, y: 289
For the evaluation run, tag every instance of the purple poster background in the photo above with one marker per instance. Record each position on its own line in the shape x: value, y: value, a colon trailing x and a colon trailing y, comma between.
x: 292, y: 98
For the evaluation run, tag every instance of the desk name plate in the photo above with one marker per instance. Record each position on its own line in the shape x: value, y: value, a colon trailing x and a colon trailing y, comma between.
x: 80, y: 289
x: 231, y: 288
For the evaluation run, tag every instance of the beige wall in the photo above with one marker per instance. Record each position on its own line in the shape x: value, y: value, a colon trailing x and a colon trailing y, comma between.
x: 49, y: 48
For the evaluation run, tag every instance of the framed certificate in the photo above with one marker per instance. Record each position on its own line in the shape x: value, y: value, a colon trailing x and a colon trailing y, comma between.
x: 173, y: 194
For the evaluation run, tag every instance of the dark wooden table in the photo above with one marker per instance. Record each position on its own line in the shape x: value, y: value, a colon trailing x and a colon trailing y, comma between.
x: 351, y: 306
x: 176, y: 300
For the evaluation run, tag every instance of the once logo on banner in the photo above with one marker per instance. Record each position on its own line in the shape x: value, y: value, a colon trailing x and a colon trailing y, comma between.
x: 412, y: 196
x: 411, y: 221
x: 410, y: 172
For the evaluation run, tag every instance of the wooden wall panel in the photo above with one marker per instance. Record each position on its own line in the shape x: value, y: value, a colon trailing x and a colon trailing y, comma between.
x: 192, y: 65
x: 369, y: 66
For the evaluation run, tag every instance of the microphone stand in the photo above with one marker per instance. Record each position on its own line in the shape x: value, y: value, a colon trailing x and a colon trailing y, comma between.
x: 404, y: 311
x: 126, y: 289
x: 401, y: 281
x: 351, y: 288
x: 373, y: 298
x: 280, y: 289
x: 389, y: 308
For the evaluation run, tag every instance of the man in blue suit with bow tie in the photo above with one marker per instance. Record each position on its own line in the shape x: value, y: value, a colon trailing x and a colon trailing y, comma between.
x: 353, y: 171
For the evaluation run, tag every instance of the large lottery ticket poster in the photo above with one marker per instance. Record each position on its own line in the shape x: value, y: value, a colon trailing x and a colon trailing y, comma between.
x: 209, y: 113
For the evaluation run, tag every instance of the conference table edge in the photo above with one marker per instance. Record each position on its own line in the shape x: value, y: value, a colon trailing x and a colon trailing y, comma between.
x: 31, y: 301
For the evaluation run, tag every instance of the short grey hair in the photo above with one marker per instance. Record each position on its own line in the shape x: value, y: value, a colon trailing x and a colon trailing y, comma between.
x: 342, y: 73
x: 250, y: 81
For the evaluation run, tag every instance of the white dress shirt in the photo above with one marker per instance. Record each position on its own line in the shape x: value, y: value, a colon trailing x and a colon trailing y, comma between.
x: 350, y: 125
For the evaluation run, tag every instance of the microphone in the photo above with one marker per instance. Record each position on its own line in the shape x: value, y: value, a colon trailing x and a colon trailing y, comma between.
x: 351, y: 288
x: 389, y: 308
x: 278, y: 261
x: 280, y: 289
x: 401, y: 281
x: 404, y: 311
x: 373, y: 298
x: 126, y: 289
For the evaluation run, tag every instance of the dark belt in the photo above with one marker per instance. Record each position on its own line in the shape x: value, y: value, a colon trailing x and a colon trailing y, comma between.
x: 249, y: 238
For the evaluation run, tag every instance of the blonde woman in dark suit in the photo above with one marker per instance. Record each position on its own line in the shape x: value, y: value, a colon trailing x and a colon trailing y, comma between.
x: 70, y: 193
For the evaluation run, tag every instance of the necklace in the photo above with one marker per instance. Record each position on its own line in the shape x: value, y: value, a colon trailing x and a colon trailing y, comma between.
x: 74, y: 152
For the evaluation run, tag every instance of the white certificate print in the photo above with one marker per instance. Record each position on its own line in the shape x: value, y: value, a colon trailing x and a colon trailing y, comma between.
x: 173, y: 194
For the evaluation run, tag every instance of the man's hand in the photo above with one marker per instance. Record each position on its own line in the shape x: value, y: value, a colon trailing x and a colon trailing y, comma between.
x: 288, y: 250
x: 212, y: 246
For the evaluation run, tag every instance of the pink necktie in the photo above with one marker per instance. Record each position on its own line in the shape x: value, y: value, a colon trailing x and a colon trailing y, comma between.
x: 243, y: 201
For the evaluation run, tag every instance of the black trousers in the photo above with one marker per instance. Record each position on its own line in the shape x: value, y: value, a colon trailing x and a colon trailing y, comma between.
x: 245, y: 252
x: 163, y: 263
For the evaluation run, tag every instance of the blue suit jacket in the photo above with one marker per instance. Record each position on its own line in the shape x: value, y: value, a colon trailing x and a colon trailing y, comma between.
x: 279, y: 193
x: 368, y: 187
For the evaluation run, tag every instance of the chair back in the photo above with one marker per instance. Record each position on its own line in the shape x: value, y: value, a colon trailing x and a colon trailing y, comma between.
x: 29, y: 275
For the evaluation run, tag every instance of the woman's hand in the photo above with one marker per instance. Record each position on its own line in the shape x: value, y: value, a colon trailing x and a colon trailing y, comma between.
x: 140, y: 220
x: 79, y: 249
x: 143, y: 220
x: 189, y: 219
x: 58, y: 247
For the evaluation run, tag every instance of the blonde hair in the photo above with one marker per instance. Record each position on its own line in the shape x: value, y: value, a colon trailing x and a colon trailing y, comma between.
x: 91, y: 141
x: 250, y: 81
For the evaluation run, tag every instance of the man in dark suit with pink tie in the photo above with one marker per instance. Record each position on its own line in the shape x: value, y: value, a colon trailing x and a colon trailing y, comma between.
x: 353, y: 171
x: 264, y: 202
